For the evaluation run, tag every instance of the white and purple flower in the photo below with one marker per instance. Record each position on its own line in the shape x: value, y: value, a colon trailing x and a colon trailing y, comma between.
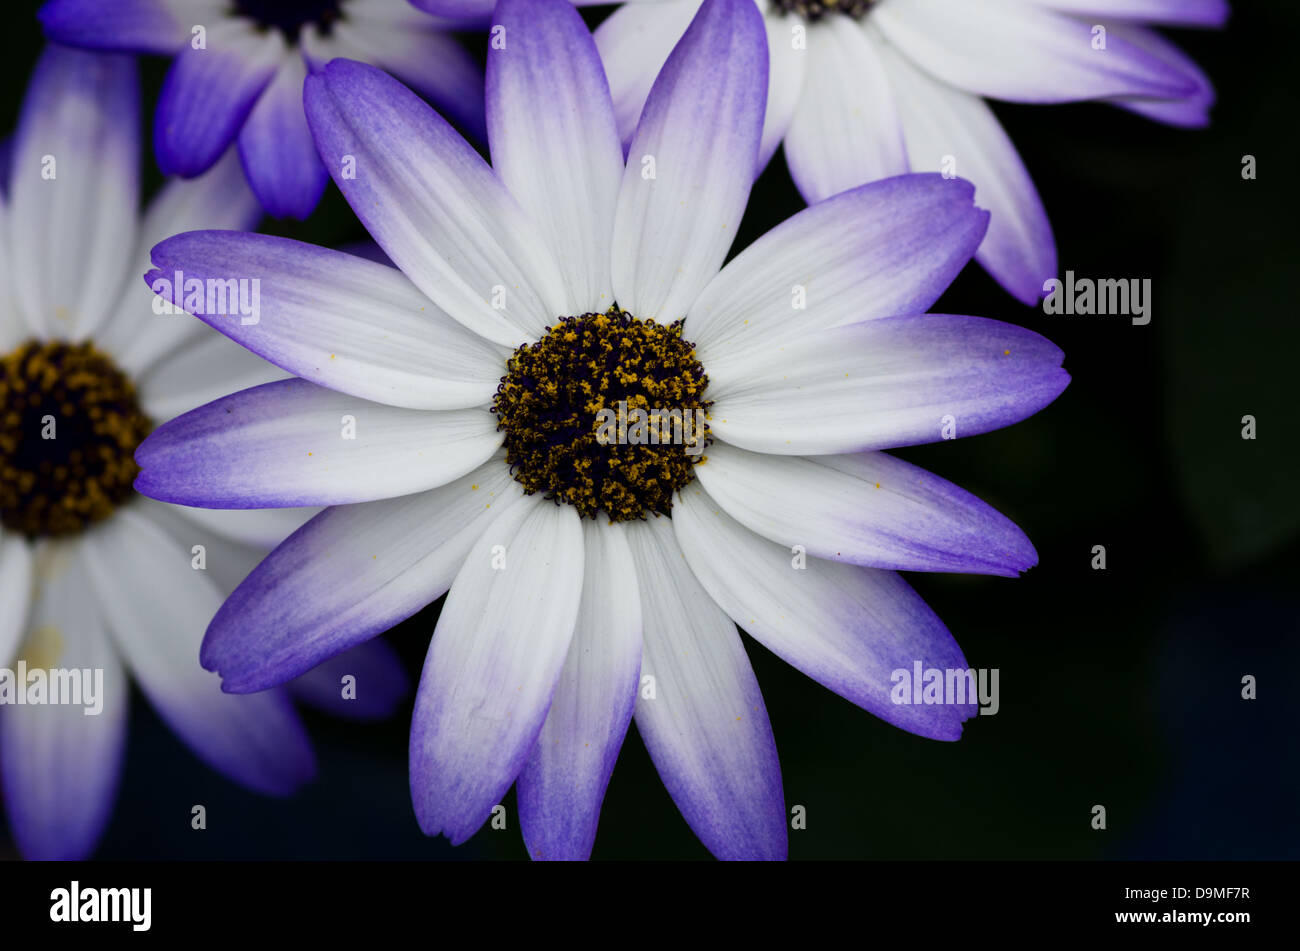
x: 588, y: 582
x: 93, y: 577
x: 239, y: 69
x: 861, y: 90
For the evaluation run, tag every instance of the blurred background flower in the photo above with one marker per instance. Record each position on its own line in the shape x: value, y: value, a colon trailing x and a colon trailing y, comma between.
x: 865, y: 89
x: 238, y: 69
x: 92, y: 576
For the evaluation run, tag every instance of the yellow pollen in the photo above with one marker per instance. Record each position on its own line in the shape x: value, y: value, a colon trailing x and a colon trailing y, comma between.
x: 69, y: 426
x: 606, y: 413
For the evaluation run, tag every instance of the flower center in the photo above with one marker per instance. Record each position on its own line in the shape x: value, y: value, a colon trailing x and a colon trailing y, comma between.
x: 69, y: 426
x: 814, y: 10
x: 607, y: 413
x: 290, y: 16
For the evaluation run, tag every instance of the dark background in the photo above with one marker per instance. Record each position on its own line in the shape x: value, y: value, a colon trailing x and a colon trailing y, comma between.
x: 1119, y: 687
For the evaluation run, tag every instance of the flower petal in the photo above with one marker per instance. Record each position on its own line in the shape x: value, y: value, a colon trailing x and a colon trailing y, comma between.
x: 293, y: 443
x: 60, y: 766
x: 259, y: 528
x: 846, y: 130
x: 209, y: 92
x: 233, y: 541
x: 157, y: 606
x: 692, y: 162
x: 73, y: 188
x: 847, y: 627
x: 13, y: 329
x: 135, y: 335
x: 496, y: 656
x: 1009, y: 49
x: 338, y: 320
x: 350, y: 573
x: 1171, y: 12
x: 471, y: 10
x: 634, y: 42
x: 15, y: 592
x: 432, y: 204
x: 880, y: 384
x: 957, y: 132
x: 564, y: 780
x: 786, y: 76
x: 208, y: 369
x: 277, y: 150
x: 415, y: 49
x: 865, y: 509
x: 131, y: 26
x: 881, y: 250
x: 706, y: 728
x: 1190, y: 112
x: 554, y: 144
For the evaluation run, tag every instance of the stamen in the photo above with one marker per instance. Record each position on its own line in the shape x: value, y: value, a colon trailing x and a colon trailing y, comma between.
x: 69, y: 426
x: 814, y: 10
x: 560, y: 404
x: 290, y: 16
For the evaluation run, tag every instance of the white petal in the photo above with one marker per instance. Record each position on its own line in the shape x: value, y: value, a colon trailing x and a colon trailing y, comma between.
x: 59, y: 766
x: 157, y: 607
x: 496, y: 655
x: 258, y: 528
x: 883, y: 249
x: 706, y: 728
x: 432, y: 203
x: 15, y: 591
x: 292, y: 443
x: 956, y: 132
x: 847, y: 627
x: 13, y: 330
x: 1012, y: 50
x: 846, y: 129
x: 336, y: 319
x: 634, y: 43
x: 554, y: 143
x: 865, y: 509
x: 220, y: 199
x: 349, y: 574
x: 787, y: 68
x: 563, y: 783
x: 73, y: 189
x: 881, y: 384
x: 207, y: 369
x: 699, y: 135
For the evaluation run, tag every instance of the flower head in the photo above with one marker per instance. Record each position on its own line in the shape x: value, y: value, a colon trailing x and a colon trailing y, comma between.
x: 860, y: 90
x: 594, y: 578
x: 238, y: 72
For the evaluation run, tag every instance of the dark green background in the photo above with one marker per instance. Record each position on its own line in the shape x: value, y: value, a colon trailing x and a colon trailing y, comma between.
x: 1118, y: 687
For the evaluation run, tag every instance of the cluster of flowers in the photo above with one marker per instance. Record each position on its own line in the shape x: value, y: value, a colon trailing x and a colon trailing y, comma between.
x: 425, y: 425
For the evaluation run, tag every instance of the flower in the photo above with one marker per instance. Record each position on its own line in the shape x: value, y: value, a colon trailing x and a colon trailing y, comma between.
x: 860, y: 90
x: 532, y: 297
x: 92, y: 577
x: 239, y: 68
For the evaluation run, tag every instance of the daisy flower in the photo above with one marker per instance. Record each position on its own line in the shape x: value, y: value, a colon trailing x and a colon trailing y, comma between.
x: 238, y: 72
x: 593, y: 579
x: 93, y: 577
x: 861, y: 90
